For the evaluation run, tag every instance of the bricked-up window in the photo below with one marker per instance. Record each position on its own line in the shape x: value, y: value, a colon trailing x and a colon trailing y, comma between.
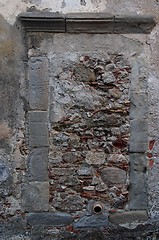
x: 87, y: 129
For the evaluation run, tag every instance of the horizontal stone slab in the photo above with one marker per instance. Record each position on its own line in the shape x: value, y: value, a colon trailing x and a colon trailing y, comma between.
x: 86, y: 22
x: 43, y: 21
x: 92, y: 221
x: 49, y: 219
x: 128, y: 217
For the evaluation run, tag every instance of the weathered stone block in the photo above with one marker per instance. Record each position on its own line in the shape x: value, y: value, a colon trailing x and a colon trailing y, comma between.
x: 137, y: 162
x: 138, y: 188
x: 37, y: 129
x: 113, y: 175
x: 38, y: 83
x: 139, y: 76
x: 43, y: 21
x: 128, y: 217
x: 133, y: 24
x: 138, y: 138
x: 89, y: 23
x: 35, y: 197
x: 84, y: 171
x: 95, y: 158
x: 66, y: 202
x: 49, y: 219
x: 139, y: 105
x: 38, y: 164
x: 72, y: 157
x: 137, y: 191
x: 37, y: 116
x: 92, y: 221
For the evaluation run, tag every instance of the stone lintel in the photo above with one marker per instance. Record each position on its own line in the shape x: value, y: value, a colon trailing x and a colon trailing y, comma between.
x: 133, y: 24
x: 89, y: 23
x: 43, y: 21
x: 86, y: 22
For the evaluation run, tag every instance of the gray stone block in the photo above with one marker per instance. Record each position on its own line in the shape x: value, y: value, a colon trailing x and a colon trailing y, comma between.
x: 138, y: 187
x: 38, y: 83
x: 138, y: 191
x: 38, y: 164
x: 37, y: 129
x: 137, y: 162
x: 92, y: 221
x: 128, y: 217
x: 139, y: 75
x: 37, y: 116
x: 35, y: 197
x: 139, y: 105
x: 49, y: 219
x: 138, y: 137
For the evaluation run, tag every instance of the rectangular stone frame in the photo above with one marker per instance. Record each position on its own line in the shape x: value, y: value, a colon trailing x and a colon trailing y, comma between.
x: 97, y: 23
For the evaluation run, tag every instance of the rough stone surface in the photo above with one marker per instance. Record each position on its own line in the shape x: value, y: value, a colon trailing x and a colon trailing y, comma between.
x: 35, y: 197
x: 49, y: 219
x: 89, y: 121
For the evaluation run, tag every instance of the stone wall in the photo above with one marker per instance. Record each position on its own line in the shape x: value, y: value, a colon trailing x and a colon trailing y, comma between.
x: 79, y: 125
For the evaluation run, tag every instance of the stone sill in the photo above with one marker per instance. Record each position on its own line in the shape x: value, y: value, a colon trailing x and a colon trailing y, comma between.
x: 86, y: 23
x: 99, y: 220
x: 128, y: 217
